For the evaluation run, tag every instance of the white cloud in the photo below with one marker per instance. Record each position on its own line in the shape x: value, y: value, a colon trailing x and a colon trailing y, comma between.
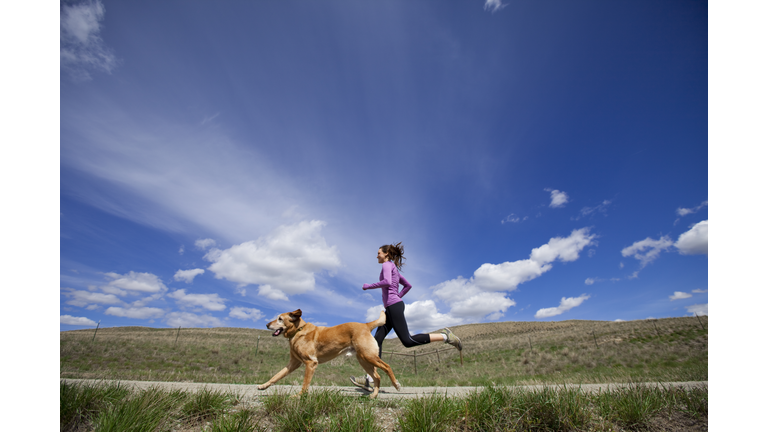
x: 698, y: 309
x: 79, y: 321
x: 245, y: 314
x: 694, y: 241
x: 589, y: 281
x: 618, y: 320
x: 207, y: 301
x: 559, y: 198
x: 699, y: 291
x: 81, y: 46
x: 679, y: 295
x: 493, y: 5
x: 653, y: 247
x: 134, y: 283
x: 205, y: 244
x: 685, y: 211
x: 282, y: 263
x: 135, y: 312
x: 508, y: 275
x: 186, y: 319
x: 85, y: 298
x: 566, y: 304
x: 480, y: 297
x: 373, y: 313
x: 493, y: 304
x: 181, y: 250
x: 423, y: 316
x: 187, y: 275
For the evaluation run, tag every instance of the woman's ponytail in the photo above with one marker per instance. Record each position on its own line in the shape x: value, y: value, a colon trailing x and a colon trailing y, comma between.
x: 396, y: 254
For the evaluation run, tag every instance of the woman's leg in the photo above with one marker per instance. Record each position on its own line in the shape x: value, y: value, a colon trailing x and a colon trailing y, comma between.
x: 383, y: 331
x: 396, y: 313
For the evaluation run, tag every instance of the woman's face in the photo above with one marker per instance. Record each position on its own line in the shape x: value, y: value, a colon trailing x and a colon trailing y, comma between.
x: 382, y: 257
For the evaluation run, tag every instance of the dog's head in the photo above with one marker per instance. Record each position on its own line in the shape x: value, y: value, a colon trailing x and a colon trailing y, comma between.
x: 285, y: 322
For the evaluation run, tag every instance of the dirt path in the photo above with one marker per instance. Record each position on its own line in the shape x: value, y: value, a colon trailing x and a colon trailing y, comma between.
x: 250, y: 391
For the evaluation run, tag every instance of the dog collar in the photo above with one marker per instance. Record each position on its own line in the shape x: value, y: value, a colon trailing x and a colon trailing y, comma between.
x: 297, y: 331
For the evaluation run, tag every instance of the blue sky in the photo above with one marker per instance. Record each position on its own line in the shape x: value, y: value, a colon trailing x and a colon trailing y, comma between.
x: 223, y: 163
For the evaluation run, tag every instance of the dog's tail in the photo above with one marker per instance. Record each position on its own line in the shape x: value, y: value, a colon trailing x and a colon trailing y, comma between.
x: 378, y: 322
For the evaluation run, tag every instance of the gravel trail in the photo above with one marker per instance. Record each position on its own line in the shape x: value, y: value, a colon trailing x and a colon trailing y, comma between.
x: 250, y: 391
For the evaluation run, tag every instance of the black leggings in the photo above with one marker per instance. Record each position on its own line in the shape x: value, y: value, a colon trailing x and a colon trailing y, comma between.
x: 396, y: 319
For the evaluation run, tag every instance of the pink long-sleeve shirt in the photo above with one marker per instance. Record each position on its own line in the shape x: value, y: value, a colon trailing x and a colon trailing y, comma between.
x: 389, y: 281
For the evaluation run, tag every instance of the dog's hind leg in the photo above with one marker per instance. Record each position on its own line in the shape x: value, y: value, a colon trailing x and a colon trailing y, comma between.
x: 379, y: 363
x: 292, y: 366
x: 371, y: 370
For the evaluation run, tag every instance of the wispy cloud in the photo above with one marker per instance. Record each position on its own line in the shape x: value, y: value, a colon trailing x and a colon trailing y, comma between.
x: 600, y: 208
x: 206, y: 301
x: 566, y: 304
x: 246, y: 314
x: 494, y: 5
x: 698, y: 309
x: 81, y: 48
x: 188, y: 319
x: 647, y: 250
x: 135, y: 312
x: 513, y: 219
x: 78, y: 321
x: 681, y: 211
x: 679, y: 295
x: 558, y: 198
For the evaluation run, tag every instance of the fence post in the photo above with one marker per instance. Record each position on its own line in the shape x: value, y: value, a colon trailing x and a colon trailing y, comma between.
x: 529, y: 343
x: 94, y: 332
x: 257, y: 346
x: 177, y: 336
x: 702, y: 325
x: 438, y: 355
x: 415, y: 372
x: 595, y: 338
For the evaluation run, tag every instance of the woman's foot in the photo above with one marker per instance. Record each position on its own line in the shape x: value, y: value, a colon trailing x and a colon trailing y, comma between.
x: 363, y: 382
x: 452, y: 338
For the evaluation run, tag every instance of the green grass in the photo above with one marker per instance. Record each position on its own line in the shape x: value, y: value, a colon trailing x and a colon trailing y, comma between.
x: 508, y: 353
x: 635, y: 407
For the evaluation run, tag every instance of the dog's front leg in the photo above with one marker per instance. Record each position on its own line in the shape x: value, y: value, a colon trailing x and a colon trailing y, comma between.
x: 292, y: 366
x: 310, y: 366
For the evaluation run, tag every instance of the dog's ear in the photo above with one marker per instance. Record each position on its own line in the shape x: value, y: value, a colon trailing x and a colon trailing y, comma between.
x: 295, y: 315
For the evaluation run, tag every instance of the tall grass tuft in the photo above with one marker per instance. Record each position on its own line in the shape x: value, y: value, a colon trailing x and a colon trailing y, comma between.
x: 355, y: 417
x: 147, y: 411
x: 241, y: 421
x: 80, y: 404
x: 633, y: 406
x: 307, y: 412
x: 554, y: 409
x: 206, y: 405
x: 429, y: 414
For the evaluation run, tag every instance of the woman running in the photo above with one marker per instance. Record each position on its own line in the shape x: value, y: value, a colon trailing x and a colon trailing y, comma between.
x: 392, y: 260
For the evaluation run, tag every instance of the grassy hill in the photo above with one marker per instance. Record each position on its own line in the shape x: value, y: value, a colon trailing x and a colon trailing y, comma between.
x: 670, y: 349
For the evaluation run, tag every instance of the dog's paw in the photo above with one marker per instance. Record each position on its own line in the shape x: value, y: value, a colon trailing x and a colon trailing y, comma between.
x: 397, y: 386
x: 263, y: 387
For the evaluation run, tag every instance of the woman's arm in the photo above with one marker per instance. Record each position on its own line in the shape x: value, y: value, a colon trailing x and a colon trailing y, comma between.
x: 406, y: 286
x: 386, y: 273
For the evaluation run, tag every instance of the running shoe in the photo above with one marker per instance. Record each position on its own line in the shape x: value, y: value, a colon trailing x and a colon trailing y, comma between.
x: 363, y: 382
x: 452, y: 338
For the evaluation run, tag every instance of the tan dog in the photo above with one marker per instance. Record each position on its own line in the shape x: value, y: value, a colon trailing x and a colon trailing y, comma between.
x: 312, y: 345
